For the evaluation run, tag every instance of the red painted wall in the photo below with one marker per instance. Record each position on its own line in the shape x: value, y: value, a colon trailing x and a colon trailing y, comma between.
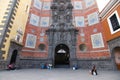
x: 88, y: 30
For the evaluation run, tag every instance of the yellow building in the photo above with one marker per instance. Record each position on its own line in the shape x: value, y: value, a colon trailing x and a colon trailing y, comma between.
x: 12, y: 27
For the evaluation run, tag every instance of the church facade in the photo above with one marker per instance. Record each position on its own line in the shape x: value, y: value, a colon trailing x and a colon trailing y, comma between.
x: 64, y: 32
x: 69, y: 25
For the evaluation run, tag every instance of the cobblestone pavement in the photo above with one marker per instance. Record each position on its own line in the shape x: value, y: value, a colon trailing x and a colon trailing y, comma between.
x: 57, y: 74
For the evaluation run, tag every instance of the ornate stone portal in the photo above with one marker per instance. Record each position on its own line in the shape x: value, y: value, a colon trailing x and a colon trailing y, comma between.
x: 62, y: 31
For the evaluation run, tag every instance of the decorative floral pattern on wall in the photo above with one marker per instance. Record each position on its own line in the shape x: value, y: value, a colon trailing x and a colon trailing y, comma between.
x: 78, y: 5
x: 46, y: 6
x: 79, y: 21
x: 89, y: 3
x: 37, y: 4
x: 30, y: 41
x: 93, y: 18
x: 34, y: 20
x: 97, y: 40
x: 44, y: 22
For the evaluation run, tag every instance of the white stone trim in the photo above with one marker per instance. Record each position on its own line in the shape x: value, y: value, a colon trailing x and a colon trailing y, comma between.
x: 104, y: 50
x: 26, y: 50
x: 109, y: 22
x: 109, y: 7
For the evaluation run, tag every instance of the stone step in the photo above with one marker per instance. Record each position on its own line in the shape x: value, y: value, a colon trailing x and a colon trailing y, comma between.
x: 62, y: 66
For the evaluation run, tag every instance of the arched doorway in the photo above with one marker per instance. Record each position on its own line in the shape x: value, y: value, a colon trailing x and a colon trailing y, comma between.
x: 62, y: 55
x: 116, y: 52
x: 14, y: 57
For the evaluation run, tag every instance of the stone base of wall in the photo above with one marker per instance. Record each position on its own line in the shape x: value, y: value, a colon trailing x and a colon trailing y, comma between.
x: 102, y: 64
x: 3, y: 65
x: 112, y: 45
x: 33, y: 63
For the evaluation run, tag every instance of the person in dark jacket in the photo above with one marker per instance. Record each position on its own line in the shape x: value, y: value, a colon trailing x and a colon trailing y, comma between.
x: 94, y: 71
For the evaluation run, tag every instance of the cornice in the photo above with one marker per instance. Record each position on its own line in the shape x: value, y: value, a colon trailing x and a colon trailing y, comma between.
x: 109, y: 7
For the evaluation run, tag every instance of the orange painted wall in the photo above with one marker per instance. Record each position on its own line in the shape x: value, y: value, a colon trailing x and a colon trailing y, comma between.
x: 105, y: 25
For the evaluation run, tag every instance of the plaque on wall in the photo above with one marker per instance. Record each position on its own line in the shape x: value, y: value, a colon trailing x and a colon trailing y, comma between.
x: 93, y: 18
x: 89, y: 3
x: 97, y: 40
x: 79, y: 21
x: 31, y: 41
x: 34, y: 20
x: 78, y: 5
x: 46, y: 6
x: 44, y: 22
x: 37, y: 4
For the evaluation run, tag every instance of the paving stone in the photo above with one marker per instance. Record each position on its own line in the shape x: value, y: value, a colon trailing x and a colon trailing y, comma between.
x: 57, y: 74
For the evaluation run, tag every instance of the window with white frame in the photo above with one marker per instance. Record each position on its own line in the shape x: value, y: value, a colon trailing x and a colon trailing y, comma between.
x: 114, y: 22
x: 18, y: 37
